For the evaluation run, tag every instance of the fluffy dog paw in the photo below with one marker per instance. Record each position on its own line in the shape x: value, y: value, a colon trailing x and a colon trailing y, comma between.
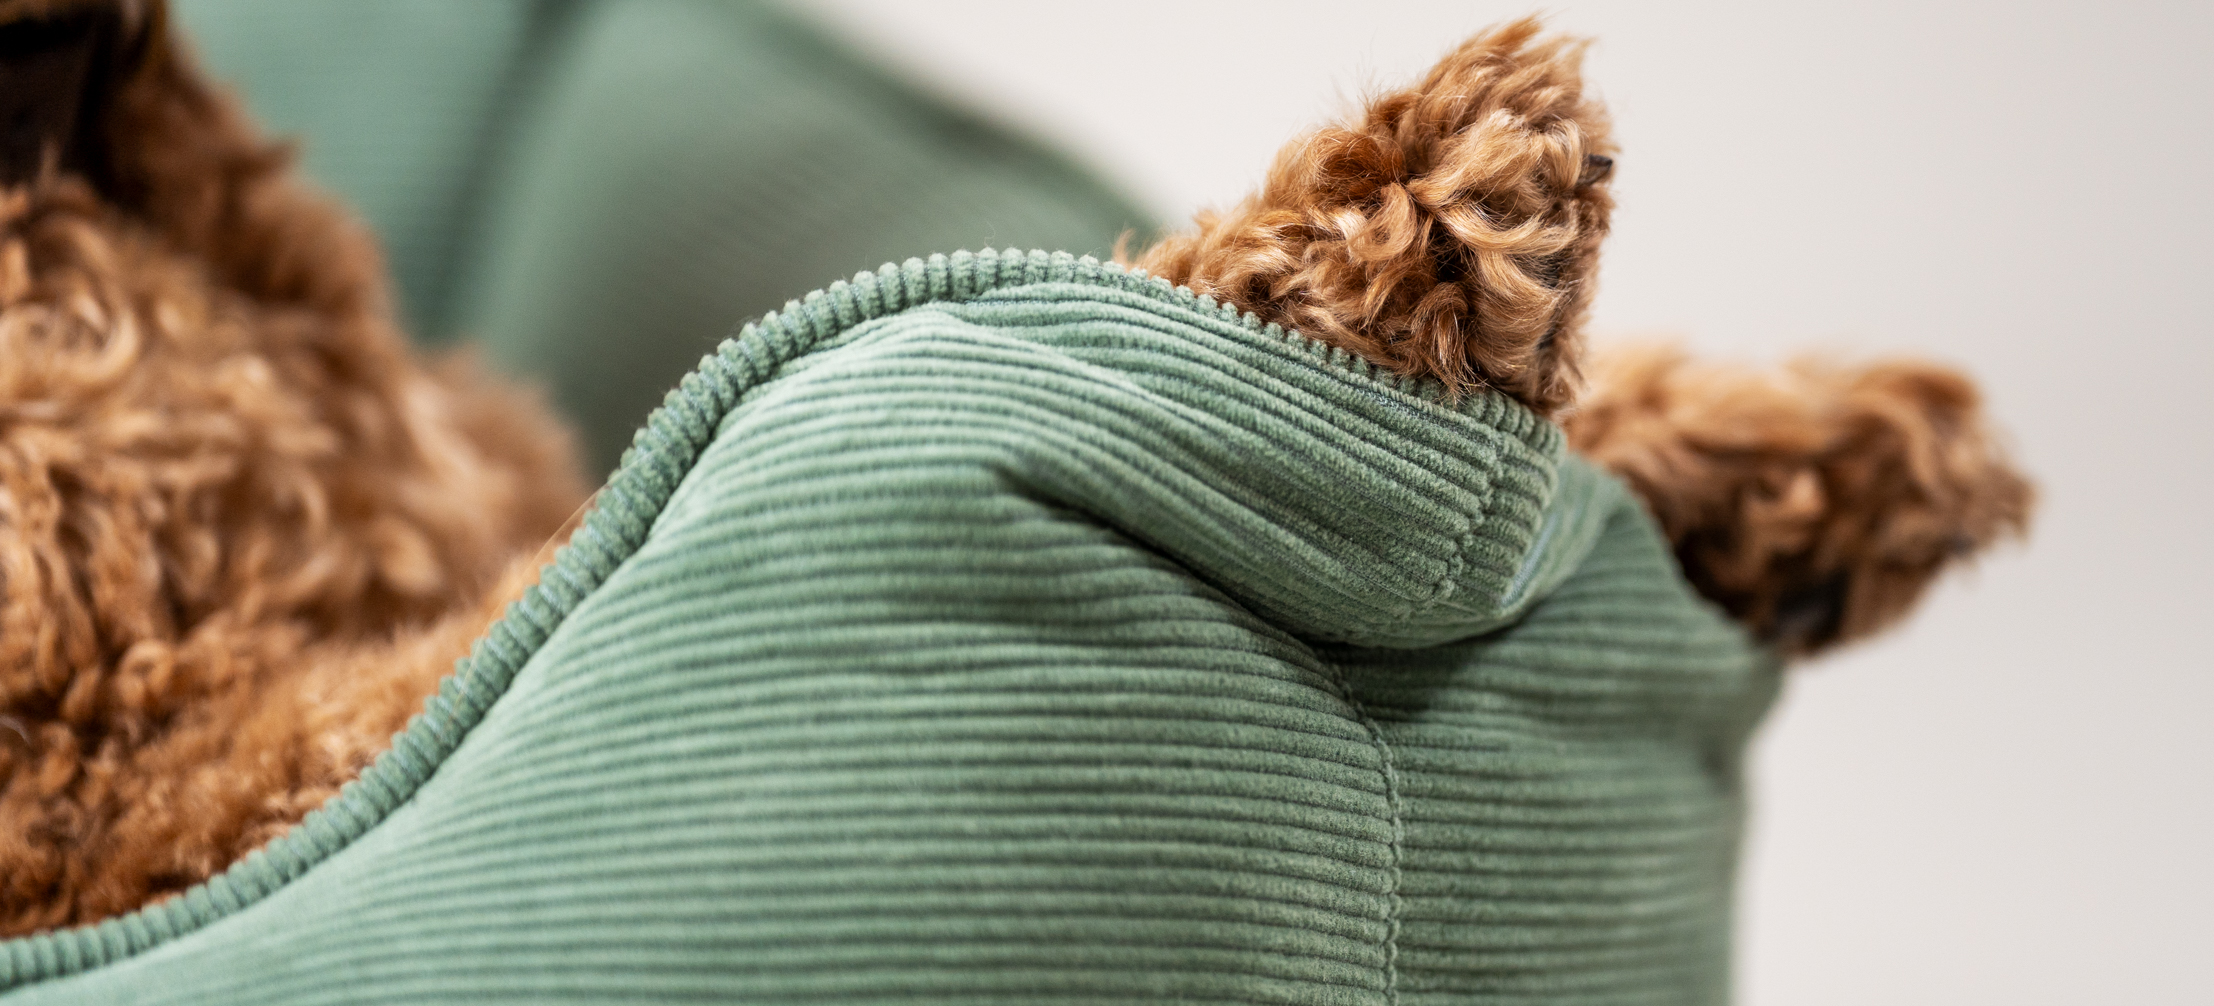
x: 1451, y: 231
x: 1815, y: 502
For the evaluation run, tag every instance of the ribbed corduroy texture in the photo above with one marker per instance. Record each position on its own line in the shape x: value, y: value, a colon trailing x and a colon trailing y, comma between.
x: 1007, y: 628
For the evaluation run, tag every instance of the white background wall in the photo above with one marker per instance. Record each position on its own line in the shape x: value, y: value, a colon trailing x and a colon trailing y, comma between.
x: 2012, y: 800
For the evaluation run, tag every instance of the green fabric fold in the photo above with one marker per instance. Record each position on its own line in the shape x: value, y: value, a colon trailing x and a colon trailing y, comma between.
x: 1007, y: 627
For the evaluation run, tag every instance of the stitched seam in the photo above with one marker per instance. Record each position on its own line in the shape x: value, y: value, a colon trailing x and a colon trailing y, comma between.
x: 1394, y: 904
x: 1443, y: 589
x: 624, y: 512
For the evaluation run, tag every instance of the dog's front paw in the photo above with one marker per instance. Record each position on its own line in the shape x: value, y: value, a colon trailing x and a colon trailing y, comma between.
x: 1815, y: 503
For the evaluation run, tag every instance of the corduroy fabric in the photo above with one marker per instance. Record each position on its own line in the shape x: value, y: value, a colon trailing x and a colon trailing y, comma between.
x: 1010, y: 628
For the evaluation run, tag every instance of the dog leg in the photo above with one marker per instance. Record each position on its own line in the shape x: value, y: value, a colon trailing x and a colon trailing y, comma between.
x: 1815, y: 502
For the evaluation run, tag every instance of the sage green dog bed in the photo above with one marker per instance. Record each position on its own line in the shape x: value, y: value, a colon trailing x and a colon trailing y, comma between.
x: 1008, y: 628
x: 596, y: 191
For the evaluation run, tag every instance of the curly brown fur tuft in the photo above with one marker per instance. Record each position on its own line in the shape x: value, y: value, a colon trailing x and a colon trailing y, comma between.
x: 243, y: 531
x: 1450, y: 232
x: 1813, y: 503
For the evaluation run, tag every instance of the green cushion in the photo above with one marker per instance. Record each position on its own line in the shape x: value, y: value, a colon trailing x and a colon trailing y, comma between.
x: 598, y: 190
x: 1011, y: 628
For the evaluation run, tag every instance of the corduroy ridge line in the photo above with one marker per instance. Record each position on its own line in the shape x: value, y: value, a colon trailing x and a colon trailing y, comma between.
x: 661, y: 453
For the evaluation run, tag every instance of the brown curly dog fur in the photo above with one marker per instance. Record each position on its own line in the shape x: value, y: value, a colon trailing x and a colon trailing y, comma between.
x: 1814, y: 503
x: 1452, y: 231
x: 243, y: 532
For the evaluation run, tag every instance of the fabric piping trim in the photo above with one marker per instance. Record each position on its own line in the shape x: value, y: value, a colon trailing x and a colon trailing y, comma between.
x: 661, y: 453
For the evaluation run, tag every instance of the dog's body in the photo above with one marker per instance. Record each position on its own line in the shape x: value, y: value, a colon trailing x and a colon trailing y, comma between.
x: 243, y: 531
